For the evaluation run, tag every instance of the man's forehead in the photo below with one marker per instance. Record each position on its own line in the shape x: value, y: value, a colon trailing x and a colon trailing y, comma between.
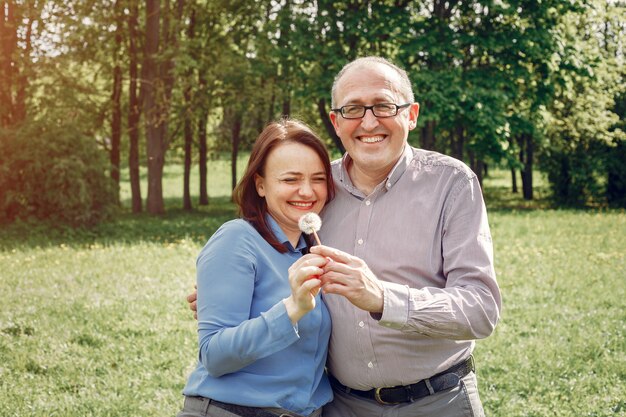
x: 369, y: 82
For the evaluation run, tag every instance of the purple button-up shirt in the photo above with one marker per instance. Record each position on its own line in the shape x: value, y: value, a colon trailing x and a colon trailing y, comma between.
x: 423, y: 232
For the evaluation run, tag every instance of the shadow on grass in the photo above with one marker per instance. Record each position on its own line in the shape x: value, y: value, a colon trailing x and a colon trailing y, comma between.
x: 197, y: 225
x: 174, y: 226
x: 502, y: 199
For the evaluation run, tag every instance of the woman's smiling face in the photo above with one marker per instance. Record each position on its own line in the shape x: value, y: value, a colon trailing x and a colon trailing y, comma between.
x: 294, y: 183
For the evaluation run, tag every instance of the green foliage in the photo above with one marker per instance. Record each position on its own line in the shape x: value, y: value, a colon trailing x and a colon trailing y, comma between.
x: 582, y: 125
x: 495, y: 80
x: 53, y: 173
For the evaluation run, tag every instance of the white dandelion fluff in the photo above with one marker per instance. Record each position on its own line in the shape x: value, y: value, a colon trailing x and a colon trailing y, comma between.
x: 310, y: 223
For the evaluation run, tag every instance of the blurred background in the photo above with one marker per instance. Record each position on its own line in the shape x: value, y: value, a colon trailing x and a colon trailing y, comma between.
x: 94, y: 90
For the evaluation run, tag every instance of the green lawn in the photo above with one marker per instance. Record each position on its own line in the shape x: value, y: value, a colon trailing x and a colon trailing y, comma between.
x: 94, y: 322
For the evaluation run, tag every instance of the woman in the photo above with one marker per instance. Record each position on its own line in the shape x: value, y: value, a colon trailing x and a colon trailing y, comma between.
x: 263, y: 328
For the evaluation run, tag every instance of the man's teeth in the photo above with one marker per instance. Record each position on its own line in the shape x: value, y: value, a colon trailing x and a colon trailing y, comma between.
x: 372, y: 139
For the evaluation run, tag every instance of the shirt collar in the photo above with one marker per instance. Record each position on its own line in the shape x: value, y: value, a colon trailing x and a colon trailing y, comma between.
x: 393, y: 177
x: 400, y: 167
x: 281, y: 237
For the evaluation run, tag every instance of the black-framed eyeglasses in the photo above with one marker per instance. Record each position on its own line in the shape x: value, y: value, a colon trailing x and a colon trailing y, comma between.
x: 382, y: 110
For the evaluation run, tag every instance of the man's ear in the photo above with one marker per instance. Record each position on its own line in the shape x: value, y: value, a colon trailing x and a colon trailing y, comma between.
x: 414, y: 112
x: 333, y: 119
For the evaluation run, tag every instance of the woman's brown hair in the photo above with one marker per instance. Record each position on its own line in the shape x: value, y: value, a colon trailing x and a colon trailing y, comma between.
x: 252, y: 207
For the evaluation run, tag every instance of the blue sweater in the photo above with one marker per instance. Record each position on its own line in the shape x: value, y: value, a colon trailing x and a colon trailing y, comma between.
x: 249, y: 352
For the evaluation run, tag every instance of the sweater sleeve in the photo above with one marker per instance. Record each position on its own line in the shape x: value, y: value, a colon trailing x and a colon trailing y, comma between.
x: 229, y: 339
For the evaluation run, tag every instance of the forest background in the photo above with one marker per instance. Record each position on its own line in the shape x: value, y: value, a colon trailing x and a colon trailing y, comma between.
x: 90, y: 88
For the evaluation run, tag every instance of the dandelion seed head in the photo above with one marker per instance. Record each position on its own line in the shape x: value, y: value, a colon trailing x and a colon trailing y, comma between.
x: 310, y: 223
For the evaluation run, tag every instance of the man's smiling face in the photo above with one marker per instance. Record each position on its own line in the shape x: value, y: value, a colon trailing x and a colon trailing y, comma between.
x: 374, y: 144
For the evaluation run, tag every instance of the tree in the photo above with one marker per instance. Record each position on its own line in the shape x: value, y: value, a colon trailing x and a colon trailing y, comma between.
x: 17, y: 26
x: 582, y: 126
x: 157, y: 84
x: 134, y: 108
x: 54, y: 172
x: 116, y: 96
x: 188, y: 117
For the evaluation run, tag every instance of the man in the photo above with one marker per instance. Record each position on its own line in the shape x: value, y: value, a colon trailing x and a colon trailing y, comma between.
x: 410, y: 282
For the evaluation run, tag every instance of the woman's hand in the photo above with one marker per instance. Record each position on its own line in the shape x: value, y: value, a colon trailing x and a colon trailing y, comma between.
x: 305, y: 285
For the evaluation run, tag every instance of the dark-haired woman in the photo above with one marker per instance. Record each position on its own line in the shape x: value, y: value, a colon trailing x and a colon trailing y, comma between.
x: 263, y: 328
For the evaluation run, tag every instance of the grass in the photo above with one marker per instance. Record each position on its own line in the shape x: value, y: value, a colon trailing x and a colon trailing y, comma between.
x: 560, y: 349
x: 94, y: 322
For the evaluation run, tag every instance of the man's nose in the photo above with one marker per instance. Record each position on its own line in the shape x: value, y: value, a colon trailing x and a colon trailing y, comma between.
x: 369, y: 121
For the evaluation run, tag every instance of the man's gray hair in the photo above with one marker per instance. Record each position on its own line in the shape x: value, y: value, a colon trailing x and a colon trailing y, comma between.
x: 405, y: 87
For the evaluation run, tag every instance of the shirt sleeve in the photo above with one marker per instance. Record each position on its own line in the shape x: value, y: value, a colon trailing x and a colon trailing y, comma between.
x: 228, y: 338
x: 468, y: 307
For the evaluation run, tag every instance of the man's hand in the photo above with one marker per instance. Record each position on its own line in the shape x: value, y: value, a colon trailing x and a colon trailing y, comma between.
x: 350, y: 277
x: 192, y: 300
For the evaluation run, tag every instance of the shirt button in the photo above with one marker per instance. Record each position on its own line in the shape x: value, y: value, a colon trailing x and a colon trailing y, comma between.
x: 367, y: 203
x: 388, y: 185
x: 361, y: 324
x: 370, y: 365
x: 360, y: 241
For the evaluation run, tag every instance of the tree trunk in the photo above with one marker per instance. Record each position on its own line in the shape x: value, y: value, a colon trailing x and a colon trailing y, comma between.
x: 476, y: 165
x: 19, y: 108
x: 270, y: 111
x: 458, y: 142
x: 188, y: 129
x: 116, y: 97
x: 158, y: 83
x: 8, y: 44
x: 153, y: 116
x: 236, y: 139
x: 134, y: 111
x: 527, y: 172
x: 116, y: 124
x: 202, y: 141
x: 330, y: 129
x: 14, y: 60
x: 188, y: 141
x: 285, y: 18
x: 514, y: 181
x: 428, y: 136
x: 202, y: 150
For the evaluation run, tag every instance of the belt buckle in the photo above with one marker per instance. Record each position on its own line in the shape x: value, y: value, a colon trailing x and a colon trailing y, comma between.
x: 380, y: 400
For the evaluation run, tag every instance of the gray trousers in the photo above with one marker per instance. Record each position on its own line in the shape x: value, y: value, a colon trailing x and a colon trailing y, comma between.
x: 202, y: 407
x: 460, y: 401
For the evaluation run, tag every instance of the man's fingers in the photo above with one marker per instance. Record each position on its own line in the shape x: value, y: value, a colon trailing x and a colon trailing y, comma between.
x: 332, y: 253
x: 331, y: 288
x: 329, y: 277
x: 339, y: 268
